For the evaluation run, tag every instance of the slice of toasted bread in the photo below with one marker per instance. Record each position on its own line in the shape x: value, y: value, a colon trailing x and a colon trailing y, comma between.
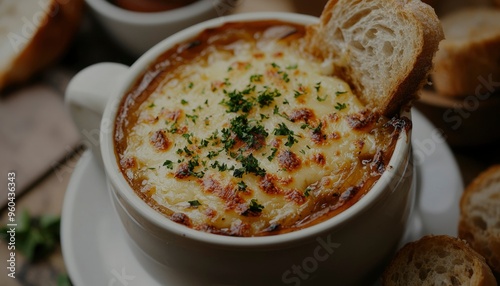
x: 438, y: 260
x: 471, y: 50
x: 33, y: 34
x: 480, y: 216
x: 383, y: 48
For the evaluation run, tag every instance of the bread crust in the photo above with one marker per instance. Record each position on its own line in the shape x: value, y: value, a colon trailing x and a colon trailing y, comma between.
x: 402, y: 267
x: 418, y: 16
x: 483, y: 236
x: 48, y: 43
x: 459, y: 63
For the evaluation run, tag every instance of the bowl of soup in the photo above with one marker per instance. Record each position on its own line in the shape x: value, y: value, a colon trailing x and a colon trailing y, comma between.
x: 234, y: 157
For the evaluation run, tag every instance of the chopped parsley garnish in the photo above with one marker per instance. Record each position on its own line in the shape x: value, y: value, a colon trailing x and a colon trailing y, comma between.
x: 237, y: 100
x: 274, y: 65
x: 318, y: 86
x: 298, y: 93
x: 226, y: 139
x: 256, y: 78
x: 276, y: 111
x: 282, y: 130
x: 317, y: 129
x: 285, y: 76
x: 292, y: 67
x: 266, y: 97
x: 194, y: 203
x: 221, y: 167
x: 340, y: 106
x: 152, y: 105
x: 320, y: 99
x: 273, y: 153
x: 255, y: 206
x: 249, y: 165
x: 246, y: 132
x: 192, y: 117
x: 188, y: 136
x: 191, y: 84
x: 192, y: 164
x: 340, y: 92
x: 242, y: 186
x: 307, y: 191
x: 187, y: 151
x: 184, y: 102
x: 213, y: 154
x: 169, y: 164
x: 203, y: 143
x: 173, y: 128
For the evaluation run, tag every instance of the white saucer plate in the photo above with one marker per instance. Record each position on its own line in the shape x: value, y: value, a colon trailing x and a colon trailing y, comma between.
x: 95, y: 247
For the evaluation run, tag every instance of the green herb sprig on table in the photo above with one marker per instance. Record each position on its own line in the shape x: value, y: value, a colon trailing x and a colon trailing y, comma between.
x: 36, y: 237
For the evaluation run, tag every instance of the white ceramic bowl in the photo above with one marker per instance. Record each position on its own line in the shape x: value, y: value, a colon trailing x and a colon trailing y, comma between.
x: 136, y: 32
x: 349, y: 249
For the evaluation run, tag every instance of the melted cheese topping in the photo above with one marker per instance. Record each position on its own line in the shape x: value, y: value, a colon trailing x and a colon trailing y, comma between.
x: 252, y: 139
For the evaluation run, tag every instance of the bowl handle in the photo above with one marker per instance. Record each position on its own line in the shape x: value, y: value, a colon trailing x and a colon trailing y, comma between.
x: 86, y: 97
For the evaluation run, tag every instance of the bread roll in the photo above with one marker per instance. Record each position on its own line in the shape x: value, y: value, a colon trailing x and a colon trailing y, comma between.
x: 438, y: 260
x: 480, y: 216
x: 34, y: 34
x: 471, y: 51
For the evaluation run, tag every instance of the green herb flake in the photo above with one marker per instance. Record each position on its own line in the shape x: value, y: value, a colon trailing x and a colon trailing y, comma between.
x: 273, y: 153
x: 169, y: 164
x: 237, y: 100
x: 242, y: 186
x: 152, y: 105
x: 184, y: 102
x: 297, y: 93
x: 285, y: 77
x: 188, y: 136
x: 194, y: 203
x: 321, y: 99
x: 282, y: 130
x: 340, y: 106
x: 307, y: 192
x: 190, y: 85
x: 247, y: 131
x: 255, y: 206
x: 318, y: 86
x: 256, y: 78
x: 340, y: 92
x: 192, y: 117
x: 292, y: 67
x: 249, y: 165
x: 266, y: 97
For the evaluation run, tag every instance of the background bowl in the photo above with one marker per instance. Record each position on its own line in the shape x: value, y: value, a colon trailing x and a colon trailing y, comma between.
x: 136, y: 32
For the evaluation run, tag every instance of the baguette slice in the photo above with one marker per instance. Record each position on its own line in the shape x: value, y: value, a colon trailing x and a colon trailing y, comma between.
x: 471, y: 50
x: 33, y: 34
x: 438, y: 260
x: 383, y: 48
x: 480, y: 216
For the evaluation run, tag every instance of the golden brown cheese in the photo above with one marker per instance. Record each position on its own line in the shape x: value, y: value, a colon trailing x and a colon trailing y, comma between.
x: 239, y: 132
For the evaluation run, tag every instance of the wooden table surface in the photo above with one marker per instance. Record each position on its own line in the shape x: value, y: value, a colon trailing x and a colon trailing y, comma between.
x: 46, y: 195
